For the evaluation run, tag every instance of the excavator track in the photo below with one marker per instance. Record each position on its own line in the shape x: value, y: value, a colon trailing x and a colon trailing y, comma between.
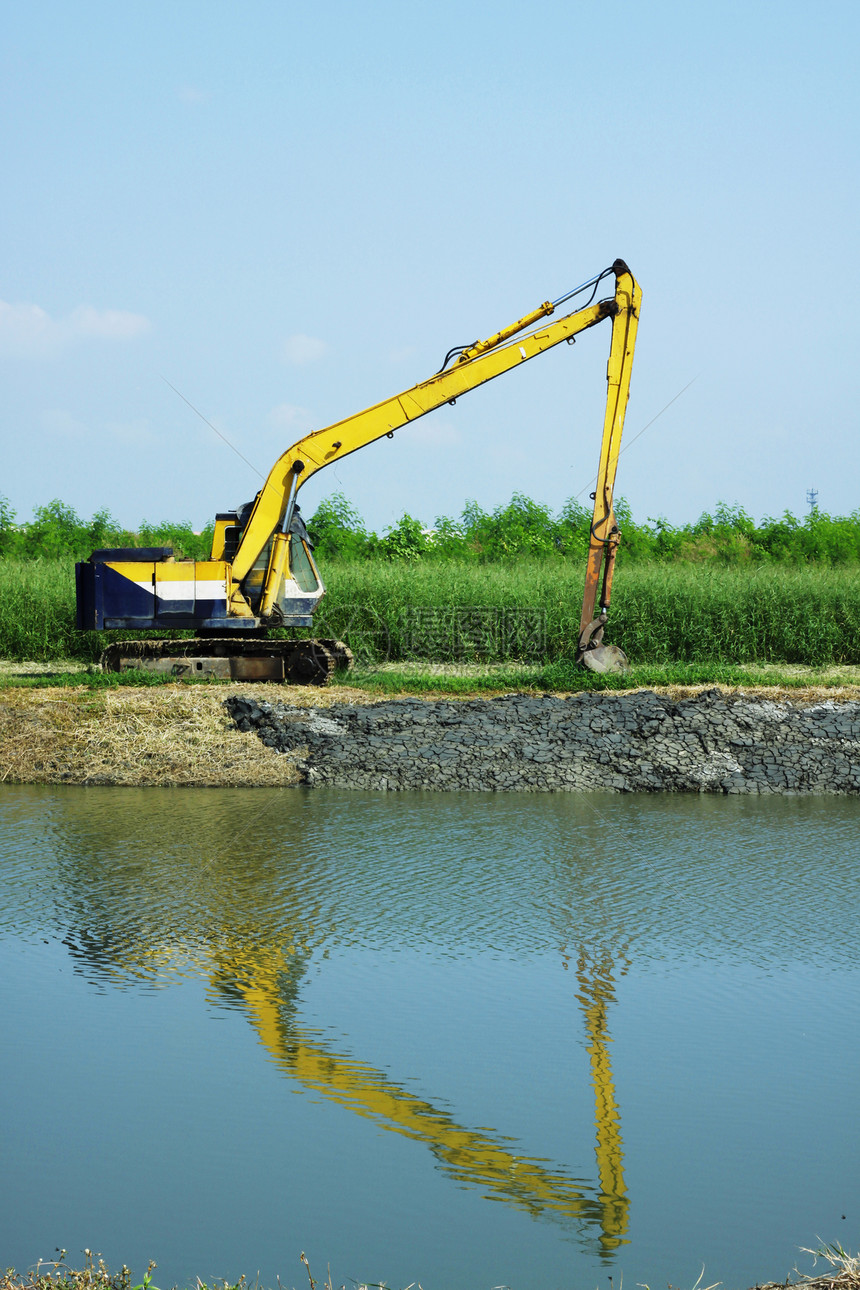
x: 300, y: 662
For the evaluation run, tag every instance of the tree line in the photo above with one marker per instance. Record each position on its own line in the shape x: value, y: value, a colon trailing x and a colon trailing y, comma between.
x: 520, y: 529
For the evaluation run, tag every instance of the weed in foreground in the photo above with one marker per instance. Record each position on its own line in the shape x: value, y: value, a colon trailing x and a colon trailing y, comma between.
x: 55, y: 1274
x: 843, y: 1274
x: 697, y: 1284
x: 846, y: 1267
x: 362, y: 1285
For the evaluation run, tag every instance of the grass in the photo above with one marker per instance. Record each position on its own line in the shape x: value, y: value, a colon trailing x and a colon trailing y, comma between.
x: 393, y: 611
x: 845, y: 1267
x: 55, y: 1274
x: 464, y: 679
x: 567, y: 677
x: 89, y: 679
x: 843, y: 1274
x: 660, y: 613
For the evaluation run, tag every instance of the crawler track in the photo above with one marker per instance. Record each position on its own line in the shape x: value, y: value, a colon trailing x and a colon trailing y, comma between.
x: 302, y: 662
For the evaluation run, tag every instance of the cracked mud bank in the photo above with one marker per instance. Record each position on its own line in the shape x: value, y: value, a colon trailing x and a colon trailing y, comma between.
x: 640, y: 742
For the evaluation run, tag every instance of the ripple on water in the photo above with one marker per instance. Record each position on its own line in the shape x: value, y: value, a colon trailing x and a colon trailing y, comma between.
x: 679, y: 877
x: 597, y: 1011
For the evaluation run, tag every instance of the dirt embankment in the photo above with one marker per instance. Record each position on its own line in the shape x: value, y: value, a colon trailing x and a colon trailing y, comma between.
x: 710, y: 742
x: 717, y: 740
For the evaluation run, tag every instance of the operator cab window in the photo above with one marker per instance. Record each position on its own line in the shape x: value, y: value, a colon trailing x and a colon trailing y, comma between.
x: 300, y: 565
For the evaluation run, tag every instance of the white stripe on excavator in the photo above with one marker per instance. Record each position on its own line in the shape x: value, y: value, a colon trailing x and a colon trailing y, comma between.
x: 200, y: 589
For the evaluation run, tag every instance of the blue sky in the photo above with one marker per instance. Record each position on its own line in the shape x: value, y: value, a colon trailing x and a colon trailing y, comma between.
x: 290, y: 212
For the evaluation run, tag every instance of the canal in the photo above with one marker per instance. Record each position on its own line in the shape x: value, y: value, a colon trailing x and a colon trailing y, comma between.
x: 466, y: 1040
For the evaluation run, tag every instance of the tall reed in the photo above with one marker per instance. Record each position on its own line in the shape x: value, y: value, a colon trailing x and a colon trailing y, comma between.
x: 660, y: 613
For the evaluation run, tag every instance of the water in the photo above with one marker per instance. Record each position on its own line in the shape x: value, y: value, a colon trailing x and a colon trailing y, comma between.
x: 467, y: 1040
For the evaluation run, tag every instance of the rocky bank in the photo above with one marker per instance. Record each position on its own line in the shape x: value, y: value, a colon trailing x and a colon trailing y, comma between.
x: 639, y: 742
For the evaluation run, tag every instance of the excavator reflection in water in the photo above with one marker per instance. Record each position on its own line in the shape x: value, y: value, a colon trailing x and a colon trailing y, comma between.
x: 264, y: 980
x: 467, y: 1154
x: 149, y: 890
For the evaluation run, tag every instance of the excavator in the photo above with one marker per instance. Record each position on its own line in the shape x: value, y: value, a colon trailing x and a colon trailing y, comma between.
x: 261, y: 574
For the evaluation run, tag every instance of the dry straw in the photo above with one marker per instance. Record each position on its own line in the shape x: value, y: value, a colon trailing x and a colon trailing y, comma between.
x: 168, y: 736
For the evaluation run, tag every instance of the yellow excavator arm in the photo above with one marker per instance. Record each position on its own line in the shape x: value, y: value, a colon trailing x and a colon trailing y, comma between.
x: 272, y: 512
x: 261, y: 573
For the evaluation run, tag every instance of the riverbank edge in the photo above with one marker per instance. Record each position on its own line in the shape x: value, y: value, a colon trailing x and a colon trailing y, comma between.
x: 708, y: 742
x: 180, y: 736
x: 60, y: 1277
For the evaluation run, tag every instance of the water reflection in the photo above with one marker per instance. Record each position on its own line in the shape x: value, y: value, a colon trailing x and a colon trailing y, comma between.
x: 267, y: 981
x: 264, y: 979
x: 248, y: 902
x: 717, y: 879
x: 596, y: 978
x: 248, y: 890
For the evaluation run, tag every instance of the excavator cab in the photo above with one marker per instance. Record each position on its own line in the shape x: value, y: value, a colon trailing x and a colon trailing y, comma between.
x: 283, y: 586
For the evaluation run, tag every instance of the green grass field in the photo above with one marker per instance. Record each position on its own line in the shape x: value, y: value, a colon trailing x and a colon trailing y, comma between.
x: 526, y: 613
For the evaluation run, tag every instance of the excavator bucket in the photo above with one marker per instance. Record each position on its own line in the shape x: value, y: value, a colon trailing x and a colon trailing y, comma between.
x: 605, y: 658
x: 596, y: 656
